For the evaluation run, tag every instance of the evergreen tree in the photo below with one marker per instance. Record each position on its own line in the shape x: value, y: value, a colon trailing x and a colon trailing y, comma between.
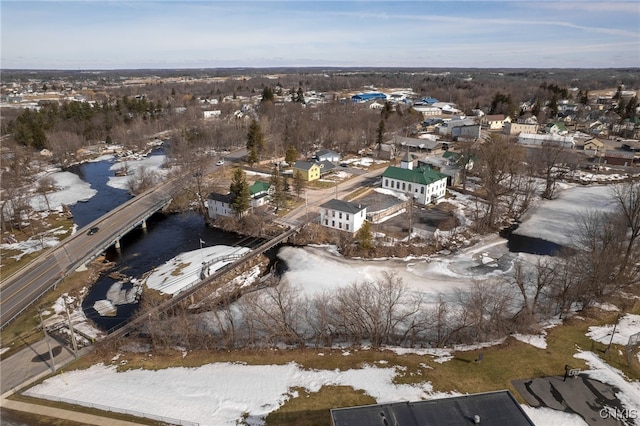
x: 255, y: 142
x: 298, y: 183
x: 380, y: 133
x: 267, y: 94
x: 291, y: 155
x: 278, y: 195
x: 364, y: 236
x: 239, y: 190
x: 300, y: 95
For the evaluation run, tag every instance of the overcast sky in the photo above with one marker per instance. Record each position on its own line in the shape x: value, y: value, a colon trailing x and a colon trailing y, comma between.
x: 208, y: 34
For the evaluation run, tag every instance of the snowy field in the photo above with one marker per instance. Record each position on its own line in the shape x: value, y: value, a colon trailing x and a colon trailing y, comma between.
x: 220, y: 393
x: 319, y: 269
x: 184, y: 270
x: 71, y: 189
x: 152, y: 163
x: 553, y: 220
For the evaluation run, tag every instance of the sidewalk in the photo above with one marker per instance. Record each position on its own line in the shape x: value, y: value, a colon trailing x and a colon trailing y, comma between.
x: 44, y: 410
x: 32, y: 364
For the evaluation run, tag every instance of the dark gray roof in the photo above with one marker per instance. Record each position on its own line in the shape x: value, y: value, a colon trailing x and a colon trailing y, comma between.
x: 492, y: 408
x: 225, y: 198
x: 303, y: 165
x: 343, y: 206
x: 326, y: 152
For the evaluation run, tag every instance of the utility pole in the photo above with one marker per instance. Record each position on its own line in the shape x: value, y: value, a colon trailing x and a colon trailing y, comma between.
x: 73, y: 334
x: 46, y: 337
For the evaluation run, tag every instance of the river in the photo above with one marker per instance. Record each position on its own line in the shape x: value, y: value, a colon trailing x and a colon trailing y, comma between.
x: 166, y: 236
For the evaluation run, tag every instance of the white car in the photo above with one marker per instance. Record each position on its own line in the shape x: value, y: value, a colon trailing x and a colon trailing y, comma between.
x: 220, y: 162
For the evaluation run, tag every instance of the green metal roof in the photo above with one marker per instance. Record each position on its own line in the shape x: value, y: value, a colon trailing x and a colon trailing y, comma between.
x: 258, y: 187
x: 421, y: 175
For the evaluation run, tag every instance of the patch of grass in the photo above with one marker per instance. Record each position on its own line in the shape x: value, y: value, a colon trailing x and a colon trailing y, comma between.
x: 312, y: 409
x: 178, y: 269
x: 54, y: 220
x: 23, y: 418
x: 81, y: 409
x: 25, y: 328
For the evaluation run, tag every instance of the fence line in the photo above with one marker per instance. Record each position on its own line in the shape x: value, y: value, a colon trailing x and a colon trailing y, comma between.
x: 108, y: 408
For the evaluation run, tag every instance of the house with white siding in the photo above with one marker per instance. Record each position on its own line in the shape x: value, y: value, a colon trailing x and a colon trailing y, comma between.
x: 423, y: 183
x: 343, y: 215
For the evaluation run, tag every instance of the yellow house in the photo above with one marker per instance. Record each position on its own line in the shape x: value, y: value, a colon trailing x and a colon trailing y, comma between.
x: 594, y: 145
x: 310, y: 171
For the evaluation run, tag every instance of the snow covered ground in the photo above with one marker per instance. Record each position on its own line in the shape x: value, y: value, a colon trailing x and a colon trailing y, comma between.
x: 319, y: 269
x: 184, y: 269
x: 552, y: 220
x: 71, y: 189
x: 152, y: 163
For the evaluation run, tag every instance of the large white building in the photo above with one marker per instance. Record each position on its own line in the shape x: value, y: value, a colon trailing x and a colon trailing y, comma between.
x: 343, y: 215
x: 424, y: 184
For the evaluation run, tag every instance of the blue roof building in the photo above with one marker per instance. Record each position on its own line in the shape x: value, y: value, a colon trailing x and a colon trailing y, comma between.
x: 369, y: 96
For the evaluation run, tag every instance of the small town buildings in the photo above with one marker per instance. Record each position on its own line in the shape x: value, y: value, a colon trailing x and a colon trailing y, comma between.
x: 495, y: 122
x: 211, y: 114
x: 424, y: 184
x: 631, y: 145
x: 593, y: 144
x: 447, y: 127
x: 428, y: 145
x: 369, y: 96
x: 497, y: 408
x: 342, y: 215
x: 515, y: 128
x: 310, y: 170
x: 538, y: 140
x: 259, y: 192
x: 328, y: 155
x: 220, y: 204
x: 618, y: 158
x: 556, y: 129
x: 469, y: 132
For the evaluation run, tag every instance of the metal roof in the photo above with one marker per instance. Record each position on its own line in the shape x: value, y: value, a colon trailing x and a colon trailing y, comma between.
x: 498, y: 408
x: 343, y: 206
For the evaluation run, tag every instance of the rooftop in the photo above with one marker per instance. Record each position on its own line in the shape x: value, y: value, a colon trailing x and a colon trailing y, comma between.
x: 343, y: 206
x: 421, y: 175
x: 492, y: 408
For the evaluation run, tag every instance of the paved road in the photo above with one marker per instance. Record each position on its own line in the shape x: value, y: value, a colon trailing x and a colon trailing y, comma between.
x: 316, y: 197
x: 25, y: 286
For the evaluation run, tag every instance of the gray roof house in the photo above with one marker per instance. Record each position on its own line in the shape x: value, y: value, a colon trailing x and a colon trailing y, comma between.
x: 488, y: 409
x: 327, y: 155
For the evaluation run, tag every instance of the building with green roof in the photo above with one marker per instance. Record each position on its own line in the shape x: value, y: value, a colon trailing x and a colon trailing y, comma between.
x: 424, y: 184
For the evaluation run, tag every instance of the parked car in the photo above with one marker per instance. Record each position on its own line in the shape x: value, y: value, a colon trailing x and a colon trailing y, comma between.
x: 220, y: 162
x: 93, y: 230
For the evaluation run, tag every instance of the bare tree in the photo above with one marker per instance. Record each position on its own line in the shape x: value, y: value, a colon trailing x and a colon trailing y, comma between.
x: 627, y: 199
x: 45, y: 185
x: 500, y: 161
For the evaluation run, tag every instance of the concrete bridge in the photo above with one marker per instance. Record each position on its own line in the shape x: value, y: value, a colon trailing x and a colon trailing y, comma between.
x: 27, y: 285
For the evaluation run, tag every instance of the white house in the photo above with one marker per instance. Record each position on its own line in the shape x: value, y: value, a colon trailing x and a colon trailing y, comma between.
x: 343, y: 215
x: 424, y: 184
x: 327, y: 155
x: 220, y: 204
x: 540, y: 139
x: 211, y: 114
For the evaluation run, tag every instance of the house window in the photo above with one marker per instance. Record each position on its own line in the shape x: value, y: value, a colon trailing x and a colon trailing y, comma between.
x: 326, y: 221
x: 340, y: 215
x: 386, y: 182
x: 333, y: 213
x: 347, y: 226
x: 340, y: 225
x: 409, y: 188
x: 403, y: 186
x: 422, y: 190
x: 333, y: 223
x: 347, y: 216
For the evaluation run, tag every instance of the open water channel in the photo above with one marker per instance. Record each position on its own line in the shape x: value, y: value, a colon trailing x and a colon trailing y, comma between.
x: 166, y: 236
